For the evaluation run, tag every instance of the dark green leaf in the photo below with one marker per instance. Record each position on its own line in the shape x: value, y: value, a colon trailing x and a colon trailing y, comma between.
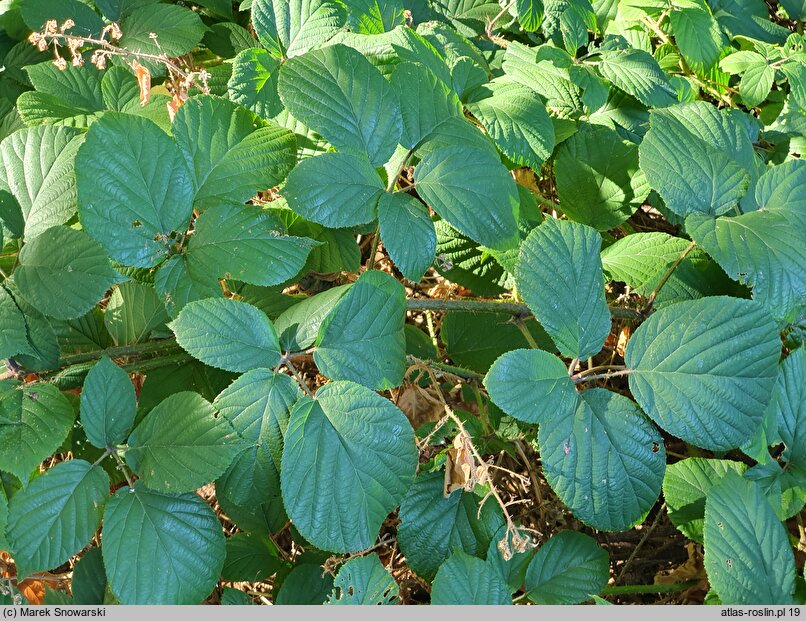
x: 108, y: 404
x: 179, y: 534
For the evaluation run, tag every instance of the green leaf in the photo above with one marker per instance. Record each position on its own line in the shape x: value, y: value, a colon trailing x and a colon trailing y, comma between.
x: 515, y: 117
x: 464, y: 262
x: 36, y: 12
x: 178, y: 30
x: 473, y: 192
x: 134, y: 188
x: 177, y: 284
x: 235, y: 597
x: 641, y: 259
x: 334, y: 189
x: 598, y: 179
x: 747, y: 553
x: 181, y: 444
x: 337, y: 92
x: 513, y: 569
x: 637, y: 73
x: 698, y: 35
x: 13, y: 333
x: 339, y: 483
x: 45, y: 349
x: 227, y: 334
x: 765, y: 249
x: 299, y: 325
x: 408, y: 233
x: 756, y: 82
x: 549, y: 80
x: 108, y: 404
x: 568, y: 569
x: 89, y: 578
x: 228, y: 39
x: 133, y: 312
x: 532, y: 385
x: 180, y: 534
x: 530, y: 14
x: 362, y: 338
x: 306, y: 584
x: 71, y: 97
x: 789, y: 405
x: 704, y: 370
x: 685, y: 487
x: 38, y: 169
x: 477, y: 340
x: 375, y: 16
x: 245, y: 243
x: 63, y: 273
x: 432, y: 527
x: 253, y: 83
x: 34, y: 421
x: 425, y: 101
x: 56, y: 515
x: 3, y: 519
x: 699, y: 159
x: 289, y: 28
x: 466, y: 580
x: 469, y: 17
x: 258, y: 405
x: 559, y: 276
x: 250, y: 558
x: 363, y: 581
x: 605, y: 462
x: 230, y: 157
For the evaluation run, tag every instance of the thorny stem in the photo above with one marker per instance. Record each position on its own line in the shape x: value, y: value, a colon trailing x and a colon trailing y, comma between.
x: 106, y: 454
x: 521, y: 325
x: 496, y: 306
x: 491, y: 26
x: 124, y: 469
x: 605, y: 376
x: 519, y: 541
x: 448, y: 369
x: 643, y: 540
x: 290, y: 366
x: 123, y: 351
x: 108, y: 49
x: 674, y: 587
x: 666, y: 277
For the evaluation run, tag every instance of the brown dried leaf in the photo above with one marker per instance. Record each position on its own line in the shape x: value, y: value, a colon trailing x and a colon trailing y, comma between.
x: 419, y: 405
x: 623, y: 339
x: 143, y: 81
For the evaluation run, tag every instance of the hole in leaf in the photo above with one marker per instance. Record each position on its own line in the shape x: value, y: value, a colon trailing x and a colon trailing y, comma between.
x: 136, y: 224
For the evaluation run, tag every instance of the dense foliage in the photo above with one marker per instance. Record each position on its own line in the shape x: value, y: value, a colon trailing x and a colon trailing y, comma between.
x: 370, y: 285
